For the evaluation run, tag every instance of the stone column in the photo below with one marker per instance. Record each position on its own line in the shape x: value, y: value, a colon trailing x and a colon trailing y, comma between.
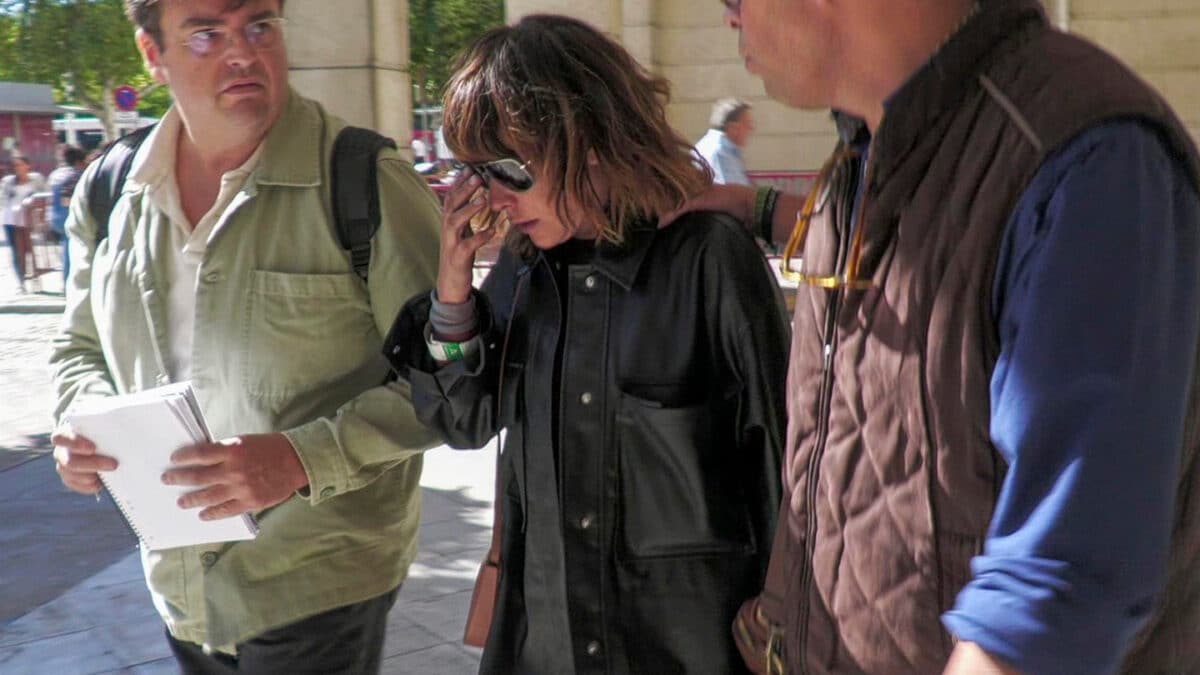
x: 352, y: 56
x: 1059, y: 12
x: 637, y: 31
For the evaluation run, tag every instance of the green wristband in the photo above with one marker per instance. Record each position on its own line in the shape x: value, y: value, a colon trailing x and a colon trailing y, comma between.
x: 760, y: 205
x: 765, y: 199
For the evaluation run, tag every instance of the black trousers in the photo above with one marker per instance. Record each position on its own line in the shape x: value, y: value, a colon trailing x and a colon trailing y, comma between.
x: 343, y: 641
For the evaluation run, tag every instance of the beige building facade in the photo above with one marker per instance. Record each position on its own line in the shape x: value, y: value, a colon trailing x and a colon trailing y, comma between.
x: 352, y: 55
x: 686, y: 42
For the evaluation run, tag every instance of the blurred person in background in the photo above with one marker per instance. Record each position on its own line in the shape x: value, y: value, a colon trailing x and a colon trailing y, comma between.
x: 14, y: 190
x: 62, y: 186
x: 730, y: 126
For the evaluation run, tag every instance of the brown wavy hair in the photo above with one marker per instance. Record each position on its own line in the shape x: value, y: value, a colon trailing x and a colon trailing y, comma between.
x: 552, y: 89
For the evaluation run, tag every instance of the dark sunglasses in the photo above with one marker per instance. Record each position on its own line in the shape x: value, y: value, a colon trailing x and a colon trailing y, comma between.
x: 510, y: 173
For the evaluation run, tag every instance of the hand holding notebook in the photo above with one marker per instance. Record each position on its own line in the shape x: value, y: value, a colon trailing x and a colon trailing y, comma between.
x: 141, y: 431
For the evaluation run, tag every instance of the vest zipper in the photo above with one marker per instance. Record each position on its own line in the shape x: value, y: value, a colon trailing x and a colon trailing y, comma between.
x: 824, y: 403
x: 814, y: 462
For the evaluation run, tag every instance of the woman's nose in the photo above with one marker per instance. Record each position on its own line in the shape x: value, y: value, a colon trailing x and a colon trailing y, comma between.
x: 499, y: 197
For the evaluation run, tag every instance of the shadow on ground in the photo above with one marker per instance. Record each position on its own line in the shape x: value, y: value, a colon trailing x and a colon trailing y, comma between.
x: 51, y: 538
x: 105, y: 623
x: 14, y: 452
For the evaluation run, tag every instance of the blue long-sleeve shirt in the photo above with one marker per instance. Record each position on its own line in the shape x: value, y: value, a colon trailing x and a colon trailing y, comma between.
x: 1097, y: 299
x: 724, y: 157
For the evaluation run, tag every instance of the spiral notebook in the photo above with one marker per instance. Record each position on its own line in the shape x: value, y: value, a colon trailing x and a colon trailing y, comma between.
x: 141, y: 431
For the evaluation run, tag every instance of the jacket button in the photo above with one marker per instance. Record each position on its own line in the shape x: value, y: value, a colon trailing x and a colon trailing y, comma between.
x: 586, y: 521
x: 593, y: 648
x: 326, y: 493
x: 586, y: 398
x: 212, y: 277
x: 590, y: 281
x: 208, y: 559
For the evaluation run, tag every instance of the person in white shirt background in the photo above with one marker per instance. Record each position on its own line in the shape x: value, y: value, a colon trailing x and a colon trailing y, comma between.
x: 420, y: 150
x: 730, y: 126
x: 14, y: 190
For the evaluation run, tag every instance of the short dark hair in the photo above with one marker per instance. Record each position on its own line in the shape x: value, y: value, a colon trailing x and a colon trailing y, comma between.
x: 727, y: 111
x: 73, y: 154
x: 147, y: 15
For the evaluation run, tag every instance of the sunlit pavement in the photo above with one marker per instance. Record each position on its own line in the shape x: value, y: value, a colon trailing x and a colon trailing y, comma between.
x: 106, y: 623
x: 72, y: 596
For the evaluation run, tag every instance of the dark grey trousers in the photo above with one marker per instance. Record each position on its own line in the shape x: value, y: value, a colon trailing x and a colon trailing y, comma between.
x: 343, y: 641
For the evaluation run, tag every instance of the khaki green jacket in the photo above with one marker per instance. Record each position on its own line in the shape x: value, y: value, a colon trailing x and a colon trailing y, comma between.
x: 288, y: 339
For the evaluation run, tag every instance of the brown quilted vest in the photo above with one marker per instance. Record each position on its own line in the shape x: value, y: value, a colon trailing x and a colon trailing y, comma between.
x: 891, y: 477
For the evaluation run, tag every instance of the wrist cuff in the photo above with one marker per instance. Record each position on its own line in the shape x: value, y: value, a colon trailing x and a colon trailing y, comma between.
x: 452, y: 319
x: 444, y: 352
x: 765, y: 200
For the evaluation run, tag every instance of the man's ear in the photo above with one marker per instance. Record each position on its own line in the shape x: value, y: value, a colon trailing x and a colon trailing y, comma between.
x: 151, y: 56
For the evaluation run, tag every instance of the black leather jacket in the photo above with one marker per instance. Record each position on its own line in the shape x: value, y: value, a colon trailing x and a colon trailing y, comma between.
x: 630, y: 539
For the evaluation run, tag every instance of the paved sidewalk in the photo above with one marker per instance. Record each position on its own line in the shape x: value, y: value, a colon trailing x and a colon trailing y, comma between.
x: 53, y: 623
x: 106, y: 624
x: 43, y: 295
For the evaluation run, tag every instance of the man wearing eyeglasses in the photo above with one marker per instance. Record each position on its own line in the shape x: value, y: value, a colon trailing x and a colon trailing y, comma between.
x: 222, y: 266
x: 992, y: 443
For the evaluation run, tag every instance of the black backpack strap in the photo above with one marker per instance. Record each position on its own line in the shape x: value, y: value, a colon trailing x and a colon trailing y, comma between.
x: 356, y: 192
x: 109, y: 179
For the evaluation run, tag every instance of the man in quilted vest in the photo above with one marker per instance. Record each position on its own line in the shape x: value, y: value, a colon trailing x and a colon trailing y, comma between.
x: 991, y: 453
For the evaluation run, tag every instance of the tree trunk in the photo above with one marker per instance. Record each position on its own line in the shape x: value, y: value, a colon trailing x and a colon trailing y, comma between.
x: 105, y: 113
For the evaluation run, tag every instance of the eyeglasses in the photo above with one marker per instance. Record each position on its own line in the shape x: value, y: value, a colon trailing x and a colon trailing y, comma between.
x: 262, y: 35
x: 848, y: 278
x: 510, y: 173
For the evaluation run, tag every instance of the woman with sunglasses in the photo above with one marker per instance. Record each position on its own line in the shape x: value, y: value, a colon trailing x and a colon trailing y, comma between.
x: 635, y: 369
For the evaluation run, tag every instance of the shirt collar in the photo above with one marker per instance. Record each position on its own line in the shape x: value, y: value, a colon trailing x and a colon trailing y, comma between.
x: 158, y: 158
x: 621, y: 262
x: 723, y: 141
x: 941, y: 82
x: 950, y: 73
x: 289, y: 155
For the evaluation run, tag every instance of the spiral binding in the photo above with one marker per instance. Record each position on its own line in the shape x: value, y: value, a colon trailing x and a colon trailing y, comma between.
x: 124, y: 510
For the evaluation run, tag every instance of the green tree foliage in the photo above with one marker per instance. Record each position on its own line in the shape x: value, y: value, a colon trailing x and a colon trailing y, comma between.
x: 85, y: 48
x: 439, y: 30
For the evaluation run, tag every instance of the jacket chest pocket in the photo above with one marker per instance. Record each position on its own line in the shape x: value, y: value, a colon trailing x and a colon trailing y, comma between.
x: 304, y: 331
x: 681, y: 491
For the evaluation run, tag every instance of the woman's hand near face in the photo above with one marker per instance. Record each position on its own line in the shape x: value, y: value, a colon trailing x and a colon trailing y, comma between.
x: 459, y: 244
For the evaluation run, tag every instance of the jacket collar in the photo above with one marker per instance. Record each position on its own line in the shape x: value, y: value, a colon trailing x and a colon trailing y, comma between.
x: 621, y: 263
x: 291, y: 153
x: 948, y: 76
x: 294, y: 147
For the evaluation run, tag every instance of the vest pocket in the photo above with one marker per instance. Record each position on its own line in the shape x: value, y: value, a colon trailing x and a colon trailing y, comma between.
x: 681, y: 491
